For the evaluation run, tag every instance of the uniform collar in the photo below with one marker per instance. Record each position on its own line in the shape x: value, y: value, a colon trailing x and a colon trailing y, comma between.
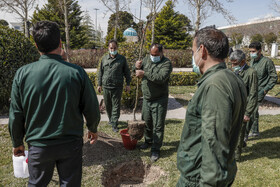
x: 51, y: 56
x: 116, y: 57
x: 256, y: 61
x: 211, y: 71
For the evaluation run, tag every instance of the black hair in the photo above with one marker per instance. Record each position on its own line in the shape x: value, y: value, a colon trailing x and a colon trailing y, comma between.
x: 256, y: 45
x: 214, y: 40
x: 46, y: 35
x: 159, y: 46
x: 113, y: 41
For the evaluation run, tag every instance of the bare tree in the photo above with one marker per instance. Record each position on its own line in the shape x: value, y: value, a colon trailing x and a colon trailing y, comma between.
x: 275, y: 5
x: 203, y: 6
x: 19, y: 7
x: 63, y: 5
x: 115, y: 6
x: 154, y: 6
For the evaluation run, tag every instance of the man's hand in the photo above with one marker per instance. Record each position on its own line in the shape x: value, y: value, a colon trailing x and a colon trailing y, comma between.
x: 138, y: 64
x: 92, y: 137
x: 19, y: 151
x: 246, y: 118
x: 127, y: 88
x: 99, y: 89
x: 139, y: 73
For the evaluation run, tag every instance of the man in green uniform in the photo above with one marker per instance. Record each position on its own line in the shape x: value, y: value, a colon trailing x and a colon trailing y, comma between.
x: 155, y: 71
x: 48, y: 100
x: 267, y: 78
x: 113, y: 69
x: 214, y: 116
x: 250, y: 78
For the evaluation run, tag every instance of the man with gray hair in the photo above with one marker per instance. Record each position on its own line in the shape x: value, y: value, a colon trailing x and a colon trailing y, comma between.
x: 214, y: 116
x: 250, y: 78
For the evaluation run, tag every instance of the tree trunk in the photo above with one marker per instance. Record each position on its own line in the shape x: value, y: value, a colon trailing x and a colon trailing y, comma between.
x: 153, y: 21
x: 26, y: 25
x: 116, y: 20
x: 66, y: 28
x: 198, y: 17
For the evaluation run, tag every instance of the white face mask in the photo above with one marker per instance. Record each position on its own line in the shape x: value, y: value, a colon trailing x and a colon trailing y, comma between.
x: 196, y: 67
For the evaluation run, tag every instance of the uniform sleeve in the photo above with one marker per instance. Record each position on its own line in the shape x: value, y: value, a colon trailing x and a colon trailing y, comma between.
x: 162, y: 76
x: 252, y: 99
x: 272, y: 76
x: 89, y: 105
x: 16, y: 116
x: 215, y: 132
x: 127, y: 73
x: 100, y: 73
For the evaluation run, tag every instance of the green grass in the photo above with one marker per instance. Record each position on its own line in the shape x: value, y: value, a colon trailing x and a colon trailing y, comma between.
x: 182, y: 93
x: 276, y: 61
x: 260, y: 165
x: 275, y: 90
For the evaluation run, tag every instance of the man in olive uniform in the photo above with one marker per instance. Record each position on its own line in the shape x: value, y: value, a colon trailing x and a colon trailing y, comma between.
x: 48, y: 101
x: 155, y: 71
x: 267, y: 78
x: 250, y: 78
x: 113, y: 69
x: 214, y: 116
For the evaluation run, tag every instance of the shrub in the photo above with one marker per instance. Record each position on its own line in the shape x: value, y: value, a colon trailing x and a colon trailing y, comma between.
x: 183, y: 78
x: 179, y: 58
x: 86, y: 58
x: 15, y: 51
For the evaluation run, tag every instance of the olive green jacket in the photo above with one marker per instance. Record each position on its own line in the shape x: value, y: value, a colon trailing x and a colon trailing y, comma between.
x: 48, y: 100
x: 112, y: 71
x: 156, y: 77
x: 267, y: 76
x: 212, y: 125
x: 250, y: 78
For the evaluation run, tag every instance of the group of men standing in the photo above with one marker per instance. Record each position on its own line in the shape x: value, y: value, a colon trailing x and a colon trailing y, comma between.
x: 50, y: 97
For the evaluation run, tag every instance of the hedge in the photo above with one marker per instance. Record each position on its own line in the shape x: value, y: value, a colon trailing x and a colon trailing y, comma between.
x: 89, y: 58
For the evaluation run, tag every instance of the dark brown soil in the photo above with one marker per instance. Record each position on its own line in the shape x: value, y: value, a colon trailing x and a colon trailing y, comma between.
x: 268, y: 105
x: 133, y: 173
x: 136, y: 129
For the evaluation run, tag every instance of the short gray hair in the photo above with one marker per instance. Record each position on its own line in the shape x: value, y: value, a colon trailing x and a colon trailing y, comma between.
x: 237, y: 55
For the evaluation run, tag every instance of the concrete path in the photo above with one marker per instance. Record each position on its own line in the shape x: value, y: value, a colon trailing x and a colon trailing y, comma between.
x: 175, y: 111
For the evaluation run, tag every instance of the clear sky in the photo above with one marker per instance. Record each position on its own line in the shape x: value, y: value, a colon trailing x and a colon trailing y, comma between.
x: 242, y: 10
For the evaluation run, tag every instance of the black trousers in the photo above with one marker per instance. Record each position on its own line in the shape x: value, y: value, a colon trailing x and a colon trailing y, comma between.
x: 66, y: 157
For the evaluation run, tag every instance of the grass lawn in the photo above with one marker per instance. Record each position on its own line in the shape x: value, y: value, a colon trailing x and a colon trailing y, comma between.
x: 276, y: 61
x: 260, y: 165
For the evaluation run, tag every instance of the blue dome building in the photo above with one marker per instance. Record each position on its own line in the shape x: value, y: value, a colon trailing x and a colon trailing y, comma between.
x: 131, y: 35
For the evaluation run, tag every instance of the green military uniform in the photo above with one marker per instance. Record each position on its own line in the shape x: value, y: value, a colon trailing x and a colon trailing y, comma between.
x: 155, y: 94
x: 110, y: 77
x: 250, y: 79
x: 267, y: 78
x: 214, y: 116
x: 46, y: 109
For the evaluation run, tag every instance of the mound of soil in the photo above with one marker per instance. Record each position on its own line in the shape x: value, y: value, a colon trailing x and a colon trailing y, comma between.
x: 136, y: 129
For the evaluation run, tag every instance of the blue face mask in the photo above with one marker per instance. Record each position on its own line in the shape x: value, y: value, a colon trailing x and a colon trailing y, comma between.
x: 155, y: 59
x: 254, y: 55
x: 196, y: 67
x: 113, y: 52
x: 236, y: 69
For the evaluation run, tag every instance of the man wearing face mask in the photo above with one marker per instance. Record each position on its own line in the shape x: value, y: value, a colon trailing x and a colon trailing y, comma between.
x: 267, y: 78
x: 250, y: 78
x: 214, y: 116
x: 113, y: 69
x: 155, y: 71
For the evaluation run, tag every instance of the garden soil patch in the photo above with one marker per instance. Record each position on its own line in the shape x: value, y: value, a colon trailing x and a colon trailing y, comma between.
x: 133, y: 173
x: 106, y: 148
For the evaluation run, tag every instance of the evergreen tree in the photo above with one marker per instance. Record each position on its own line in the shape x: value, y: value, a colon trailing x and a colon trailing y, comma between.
x: 125, y: 21
x: 171, y: 28
x: 52, y: 12
x: 110, y: 36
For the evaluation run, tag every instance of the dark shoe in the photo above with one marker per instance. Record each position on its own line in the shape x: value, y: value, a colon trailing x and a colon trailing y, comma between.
x: 115, y: 129
x: 154, y: 157
x: 254, y: 134
x: 145, y: 146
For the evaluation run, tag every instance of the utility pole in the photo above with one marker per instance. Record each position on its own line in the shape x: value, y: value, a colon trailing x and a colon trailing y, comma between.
x: 96, y: 23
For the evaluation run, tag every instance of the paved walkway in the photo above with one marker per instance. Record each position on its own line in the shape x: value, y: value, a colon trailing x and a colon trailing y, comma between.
x: 175, y: 111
